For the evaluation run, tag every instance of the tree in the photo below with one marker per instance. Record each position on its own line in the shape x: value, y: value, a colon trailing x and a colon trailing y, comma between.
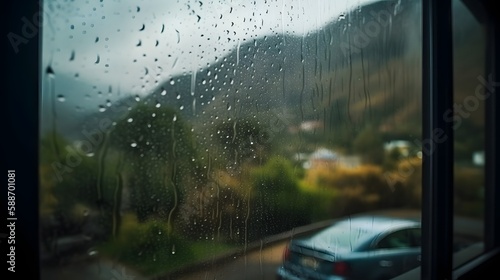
x: 278, y: 204
x: 370, y: 145
x: 242, y: 139
x: 162, y: 159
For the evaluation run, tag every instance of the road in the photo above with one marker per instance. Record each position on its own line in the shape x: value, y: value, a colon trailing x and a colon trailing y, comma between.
x: 95, y: 269
x: 257, y: 264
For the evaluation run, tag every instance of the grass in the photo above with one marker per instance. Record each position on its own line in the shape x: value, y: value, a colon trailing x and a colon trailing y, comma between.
x: 160, y: 260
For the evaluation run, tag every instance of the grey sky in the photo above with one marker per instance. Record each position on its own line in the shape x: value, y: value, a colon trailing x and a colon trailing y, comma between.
x: 136, y: 44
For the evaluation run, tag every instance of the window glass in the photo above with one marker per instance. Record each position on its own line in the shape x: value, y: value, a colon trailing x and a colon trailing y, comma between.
x: 209, y: 134
x: 397, y: 239
x: 470, y: 94
x: 408, y: 238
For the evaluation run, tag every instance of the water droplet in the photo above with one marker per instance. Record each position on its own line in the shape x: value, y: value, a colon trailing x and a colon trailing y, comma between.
x: 130, y: 120
x: 158, y: 105
x: 49, y: 71
x: 133, y: 145
x: 178, y: 96
x: 175, y: 118
x: 102, y: 108
x: 164, y: 92
x: 172, y: 82
x: 92, y: 252
x: 173, y: 249
x: 61, y: 98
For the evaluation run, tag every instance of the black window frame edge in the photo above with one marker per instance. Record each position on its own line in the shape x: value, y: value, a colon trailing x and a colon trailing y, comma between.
x: 437, y: 165
x: 21, y: 147
x: 437, y: 173
x: 492, y: 193
x: 21, y: 134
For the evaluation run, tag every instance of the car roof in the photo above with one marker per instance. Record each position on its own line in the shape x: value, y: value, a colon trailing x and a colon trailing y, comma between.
x: 376, y: 223
x: 352, y: 232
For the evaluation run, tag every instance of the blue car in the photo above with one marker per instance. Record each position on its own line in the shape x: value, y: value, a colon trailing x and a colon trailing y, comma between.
x: 362, y: 247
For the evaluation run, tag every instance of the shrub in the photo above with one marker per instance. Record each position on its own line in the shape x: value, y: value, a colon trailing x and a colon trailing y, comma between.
x: 365, y: 188
x: 150, y: 246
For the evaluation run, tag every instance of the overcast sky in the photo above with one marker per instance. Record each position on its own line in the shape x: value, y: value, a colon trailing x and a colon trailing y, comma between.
x: 132, y: 44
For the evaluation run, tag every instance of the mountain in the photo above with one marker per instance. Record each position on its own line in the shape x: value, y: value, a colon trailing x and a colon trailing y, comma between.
x: 364, y: 68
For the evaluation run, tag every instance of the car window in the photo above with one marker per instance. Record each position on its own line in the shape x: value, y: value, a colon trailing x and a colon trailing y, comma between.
x: 416, y: 237
x: 398, y: 239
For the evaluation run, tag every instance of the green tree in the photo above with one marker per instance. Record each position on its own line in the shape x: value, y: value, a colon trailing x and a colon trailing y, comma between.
x: 242, y: 139
x: 161, y: 156
x: 278, y: 203
x: 68, y: 191
x: 370, y: 145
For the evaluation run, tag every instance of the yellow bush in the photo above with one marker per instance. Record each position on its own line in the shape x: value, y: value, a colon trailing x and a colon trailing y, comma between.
x: 366, y: 187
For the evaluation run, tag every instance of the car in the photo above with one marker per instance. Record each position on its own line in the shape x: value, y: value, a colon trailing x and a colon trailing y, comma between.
x: 367, y: 247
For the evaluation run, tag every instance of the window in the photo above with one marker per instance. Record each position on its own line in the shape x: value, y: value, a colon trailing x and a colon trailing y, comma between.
x: 408, y: 238
x: 153, y: 169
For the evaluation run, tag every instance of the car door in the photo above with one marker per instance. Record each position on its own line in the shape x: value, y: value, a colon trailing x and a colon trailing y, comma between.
x: 396, y: 252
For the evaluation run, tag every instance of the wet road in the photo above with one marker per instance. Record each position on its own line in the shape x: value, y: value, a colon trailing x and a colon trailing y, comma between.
x: 257, y: 264
x: 89, y: 270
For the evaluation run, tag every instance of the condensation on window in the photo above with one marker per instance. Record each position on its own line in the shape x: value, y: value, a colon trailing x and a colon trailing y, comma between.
x: 194, y: 139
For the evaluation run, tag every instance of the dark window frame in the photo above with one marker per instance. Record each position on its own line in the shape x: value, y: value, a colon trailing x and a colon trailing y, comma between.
x: 21, y: 145
x: 437, y: 189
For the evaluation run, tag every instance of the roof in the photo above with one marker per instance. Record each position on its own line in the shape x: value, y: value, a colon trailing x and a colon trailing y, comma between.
x: 349, y: 232
x: 324, y: 154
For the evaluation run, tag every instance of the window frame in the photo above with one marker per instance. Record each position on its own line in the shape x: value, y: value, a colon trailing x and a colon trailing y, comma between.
x: 437, y: 180
x: 21, y: 146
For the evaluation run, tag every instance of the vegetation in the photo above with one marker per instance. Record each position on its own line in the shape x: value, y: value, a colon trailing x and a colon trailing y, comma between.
x: 150, y: 200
